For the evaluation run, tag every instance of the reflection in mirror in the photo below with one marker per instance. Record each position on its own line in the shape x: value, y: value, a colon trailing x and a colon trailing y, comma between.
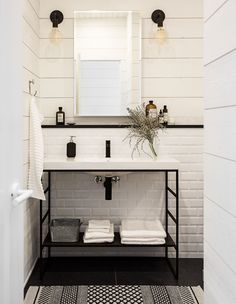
x: 107, y: 54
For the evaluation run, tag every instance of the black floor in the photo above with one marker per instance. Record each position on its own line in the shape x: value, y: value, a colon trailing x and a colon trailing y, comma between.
x: 121, y: 271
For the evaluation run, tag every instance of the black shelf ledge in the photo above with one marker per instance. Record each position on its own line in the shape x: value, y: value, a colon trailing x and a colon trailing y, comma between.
x: 116, y: 243
x: 115, y: 126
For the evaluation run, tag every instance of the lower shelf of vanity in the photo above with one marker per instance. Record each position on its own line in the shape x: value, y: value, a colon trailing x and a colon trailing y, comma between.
x: 116, y: 243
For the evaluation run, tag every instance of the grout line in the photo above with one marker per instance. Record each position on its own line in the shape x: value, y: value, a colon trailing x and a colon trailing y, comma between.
x: 160, y: 58
x: 176, y: 38
x: 29, y: 48
x: 209, y: 17
x: 145, y: 18
x: 220, y: 257
x: 25, y: 68
x: 222, y: 157
x: 219, y: 206
x: 144, y: 77
x: 33, y: 8
x: 172, y: 77
x: 31, y: 27
x: 221, y: 107
x: 220, y: 57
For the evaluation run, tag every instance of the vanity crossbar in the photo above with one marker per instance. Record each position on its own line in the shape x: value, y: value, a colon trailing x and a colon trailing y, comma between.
x: 46, y: 243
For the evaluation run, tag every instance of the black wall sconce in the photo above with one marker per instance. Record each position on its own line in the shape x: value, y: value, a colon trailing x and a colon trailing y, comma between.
x: 56, y: 17
x: 158, y: 17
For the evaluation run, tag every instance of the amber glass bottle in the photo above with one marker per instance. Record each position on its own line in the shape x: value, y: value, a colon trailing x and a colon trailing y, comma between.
x: 151, y: 109
x: 60, y: 117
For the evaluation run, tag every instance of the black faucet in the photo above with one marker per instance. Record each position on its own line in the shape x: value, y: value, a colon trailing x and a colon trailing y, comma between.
x: 108, y: 148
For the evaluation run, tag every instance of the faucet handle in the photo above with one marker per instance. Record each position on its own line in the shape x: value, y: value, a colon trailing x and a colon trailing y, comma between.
x: 108, y: 148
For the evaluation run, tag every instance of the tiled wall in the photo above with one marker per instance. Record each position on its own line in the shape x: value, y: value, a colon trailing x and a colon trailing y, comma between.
x: 220, y: 153
x: 137, y: 195
x: 31, y: 41
x: 171, y: 73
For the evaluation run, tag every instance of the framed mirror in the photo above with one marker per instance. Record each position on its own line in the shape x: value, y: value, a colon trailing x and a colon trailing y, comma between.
x: 107, y: 57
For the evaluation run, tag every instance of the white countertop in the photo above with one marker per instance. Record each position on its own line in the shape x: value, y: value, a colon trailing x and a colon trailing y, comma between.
x: 93, y: 164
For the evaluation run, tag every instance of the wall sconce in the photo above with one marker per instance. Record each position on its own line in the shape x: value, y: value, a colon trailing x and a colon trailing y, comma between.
x: 158, y: 16
x: 56, y: 17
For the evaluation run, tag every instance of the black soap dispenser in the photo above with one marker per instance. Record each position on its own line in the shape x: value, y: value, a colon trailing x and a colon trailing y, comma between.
x: 71, y: 148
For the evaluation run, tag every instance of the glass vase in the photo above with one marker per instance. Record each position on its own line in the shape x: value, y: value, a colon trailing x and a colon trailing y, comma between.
x: 153, y: 151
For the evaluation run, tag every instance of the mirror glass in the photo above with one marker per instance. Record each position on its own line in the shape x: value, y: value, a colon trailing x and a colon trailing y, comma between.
x: 107, y: 55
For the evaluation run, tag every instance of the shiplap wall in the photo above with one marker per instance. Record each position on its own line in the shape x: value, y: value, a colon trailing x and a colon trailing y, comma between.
x: 171, y: 73
x: 220, y: 152
x: 30, y: 71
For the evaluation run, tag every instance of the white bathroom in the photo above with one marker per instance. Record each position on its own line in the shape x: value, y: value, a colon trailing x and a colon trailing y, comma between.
x: 118, y: 152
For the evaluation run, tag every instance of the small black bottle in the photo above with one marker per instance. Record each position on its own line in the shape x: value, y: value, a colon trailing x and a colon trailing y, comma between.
x: 71, y: 148
x: 60, y: 117
x: 165, y: 115
x: 161, y: 117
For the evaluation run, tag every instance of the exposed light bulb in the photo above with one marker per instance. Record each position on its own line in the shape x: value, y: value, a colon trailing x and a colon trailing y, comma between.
x: 55, y: 35
x: 161, y: 35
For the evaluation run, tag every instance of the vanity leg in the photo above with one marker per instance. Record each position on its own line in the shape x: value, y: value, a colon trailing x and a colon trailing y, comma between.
x: 49, y: 209
x: 177, y: 224
x: 41, y: 240
x: 166, y: 210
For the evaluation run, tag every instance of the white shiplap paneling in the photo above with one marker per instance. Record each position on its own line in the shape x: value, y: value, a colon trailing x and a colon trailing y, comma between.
x: 220, y: 148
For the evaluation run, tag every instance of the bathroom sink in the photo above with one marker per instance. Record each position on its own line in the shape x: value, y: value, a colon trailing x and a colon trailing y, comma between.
x: 110, y: 166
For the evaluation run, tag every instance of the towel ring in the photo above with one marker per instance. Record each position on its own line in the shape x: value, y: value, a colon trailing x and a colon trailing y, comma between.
x: 31, y: 82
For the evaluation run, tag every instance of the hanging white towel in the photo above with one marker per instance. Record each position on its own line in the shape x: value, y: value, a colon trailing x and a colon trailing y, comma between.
x: 36, y: 152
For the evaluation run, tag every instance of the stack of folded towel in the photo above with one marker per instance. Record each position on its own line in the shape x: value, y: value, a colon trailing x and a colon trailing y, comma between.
x: 99, y: 231
x: 141, y: 232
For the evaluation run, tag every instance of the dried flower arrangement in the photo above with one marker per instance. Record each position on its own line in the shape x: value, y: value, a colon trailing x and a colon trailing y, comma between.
x: 142, y: 128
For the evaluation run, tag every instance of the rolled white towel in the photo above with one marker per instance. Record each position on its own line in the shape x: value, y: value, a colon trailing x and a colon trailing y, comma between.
x: 100, y: 224
x: 142, y: 229
x: 99, y: 235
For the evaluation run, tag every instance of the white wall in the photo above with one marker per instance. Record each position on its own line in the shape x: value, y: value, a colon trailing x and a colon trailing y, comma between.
x: 30, y: 71
x: 171, y: 73
x: 220, y: 152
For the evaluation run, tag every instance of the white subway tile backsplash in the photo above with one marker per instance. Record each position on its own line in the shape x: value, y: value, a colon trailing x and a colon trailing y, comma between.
x: 137, y: 195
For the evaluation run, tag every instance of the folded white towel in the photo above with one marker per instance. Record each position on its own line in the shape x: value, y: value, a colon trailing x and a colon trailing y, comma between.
x: 159, y: 242
x: 104, y: 230
x: 142, y: 229
x: 99, y: 235
x: 104, y: 240
x: 143, y: 240
x: 105, y: 224
x: 36, y: 154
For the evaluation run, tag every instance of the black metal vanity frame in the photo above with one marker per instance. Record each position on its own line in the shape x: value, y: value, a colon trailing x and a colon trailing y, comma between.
x: 47, y: 243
